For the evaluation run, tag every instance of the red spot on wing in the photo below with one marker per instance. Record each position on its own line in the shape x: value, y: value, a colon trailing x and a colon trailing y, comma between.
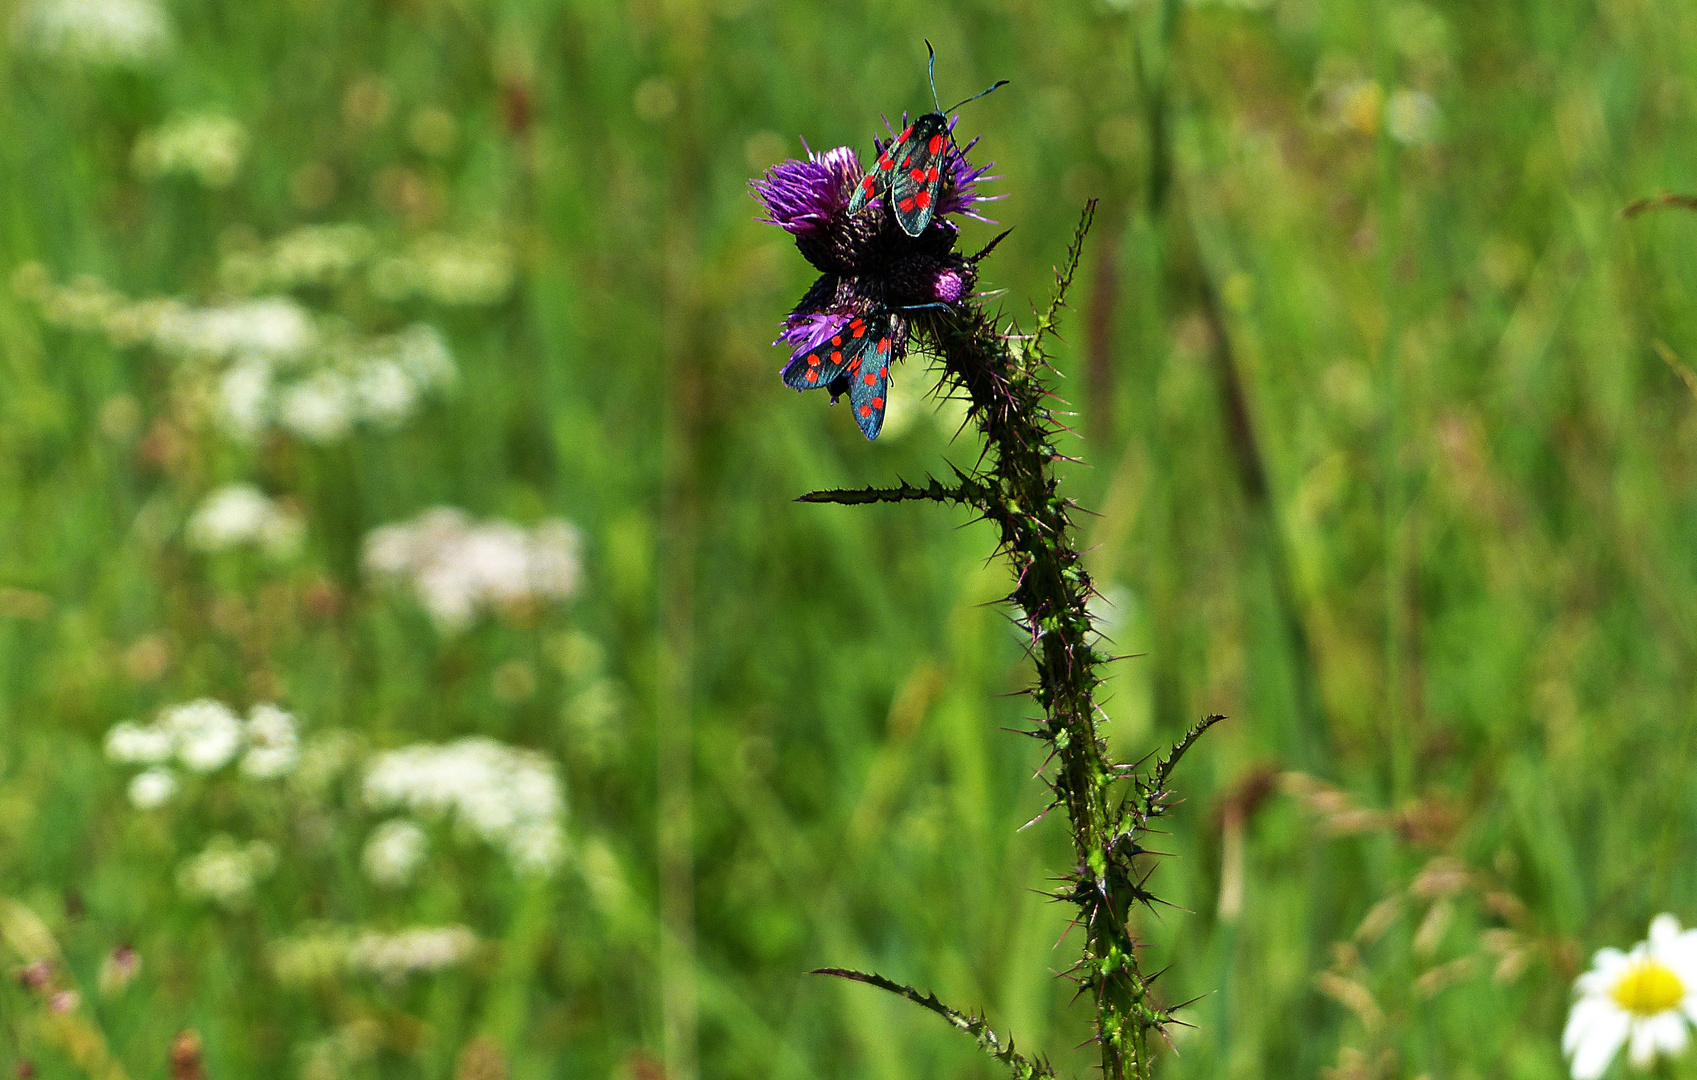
x: 917, y: 174
x: 860, y: 331
x: 868, y: 184
x: 932, y: 174
x: 870, y: 378
x: 905, y: 133
x: 922, y: 199
x: 884, y: 372
x: 907, y: 205
x: 836, y: 358
x: 885, y: 162
x: 857, y: 322
x: 884, y: 345
x: 877, y: 403
x: 837, y: 340
x: 936, y: 146
x: 855, y: 366
x: 865, y: 410
x: 812, y: 375
x: 812, y: 359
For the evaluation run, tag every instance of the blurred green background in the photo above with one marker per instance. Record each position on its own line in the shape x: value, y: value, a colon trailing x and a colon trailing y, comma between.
x: 1382, y: 405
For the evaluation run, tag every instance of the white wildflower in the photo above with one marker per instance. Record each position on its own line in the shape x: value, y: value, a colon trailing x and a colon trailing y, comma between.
x: 1412, y: 117
x: 239, y: 514
x: 458, y: 567
x: 226, y: 872
x: 115, y: 32
x: 394, y: 852
x: 316, y: 255
x: 422, y: 352
x: 244, y: 398
x: 207, y: 146
x: 319, y: 408
x: 129, y: 743
x: 420, y: 950
x: 384, y: 392
x: 206, y: 734
x: 1642, y: 999
x: 273, y: 327
x: 234, y: 514
x: 273, y: 742
x: 152, y: 788
x: 510, y: 798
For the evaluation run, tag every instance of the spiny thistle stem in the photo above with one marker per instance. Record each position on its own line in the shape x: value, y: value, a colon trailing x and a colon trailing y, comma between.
x: 1109, y: 805
x: 888, y: 271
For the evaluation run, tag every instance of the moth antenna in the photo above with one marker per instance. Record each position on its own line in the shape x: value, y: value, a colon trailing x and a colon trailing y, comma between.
x: 994, y: 86
x: 931, y: 72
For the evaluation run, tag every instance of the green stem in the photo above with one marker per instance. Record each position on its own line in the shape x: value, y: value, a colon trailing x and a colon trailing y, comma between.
x: 1004, y: 378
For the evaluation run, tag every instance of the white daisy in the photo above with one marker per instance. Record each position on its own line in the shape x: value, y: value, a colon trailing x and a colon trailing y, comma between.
x: 1641, y: 999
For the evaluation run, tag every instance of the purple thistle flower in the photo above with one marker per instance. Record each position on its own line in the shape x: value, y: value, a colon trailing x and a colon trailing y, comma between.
x: 873, y: 273
x: 804, y: 197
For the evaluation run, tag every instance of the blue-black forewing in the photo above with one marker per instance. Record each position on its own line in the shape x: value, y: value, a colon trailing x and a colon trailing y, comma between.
x: 877, y: 181
x: 810, y: 369
x: 918, y: 172
x: 869, y: 379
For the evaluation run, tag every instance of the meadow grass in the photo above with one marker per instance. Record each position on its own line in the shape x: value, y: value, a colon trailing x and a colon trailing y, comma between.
x: 1390, y: 465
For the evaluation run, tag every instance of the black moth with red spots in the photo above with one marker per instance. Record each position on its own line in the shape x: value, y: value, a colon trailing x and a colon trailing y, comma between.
x: 854, y: 361
x: 884, y: 245
x: 910, y: 170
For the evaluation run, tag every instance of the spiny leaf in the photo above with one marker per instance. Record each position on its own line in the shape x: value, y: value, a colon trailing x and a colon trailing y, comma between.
x: 1019, y: 1066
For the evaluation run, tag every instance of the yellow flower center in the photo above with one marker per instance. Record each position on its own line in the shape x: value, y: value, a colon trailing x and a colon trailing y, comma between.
x: 1648, y: 987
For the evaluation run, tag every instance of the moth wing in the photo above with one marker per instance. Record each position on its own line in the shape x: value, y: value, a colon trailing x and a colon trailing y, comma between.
x: 810, y: 369
x: 876, y: 184
x: 869, y: 380
x: 918, y: 176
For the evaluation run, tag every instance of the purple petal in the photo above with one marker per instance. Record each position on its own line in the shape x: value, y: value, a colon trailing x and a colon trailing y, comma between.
x: 802, y: 197
x: 805, y: 333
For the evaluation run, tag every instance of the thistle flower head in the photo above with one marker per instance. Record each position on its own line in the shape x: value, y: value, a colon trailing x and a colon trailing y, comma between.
x: 874, y: 271
x: 805, y: 197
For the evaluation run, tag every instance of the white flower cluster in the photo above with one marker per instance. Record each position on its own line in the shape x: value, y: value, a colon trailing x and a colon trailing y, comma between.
x: 206, y: 146
x: 241, y: 515
x: 203, y: 736
x: 273, y: 328
x: 507, y: 797
x: 274, y: 362
x: 377, y: 380
x: 1643, y: 999
x: 328, y: 954
x: 454, y: 271
x: 420, y: 950
x: 312, y: 255
x: 393, y: 852
x: 459, y: 567
x: 226, y: 872
x: 109, y: 32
